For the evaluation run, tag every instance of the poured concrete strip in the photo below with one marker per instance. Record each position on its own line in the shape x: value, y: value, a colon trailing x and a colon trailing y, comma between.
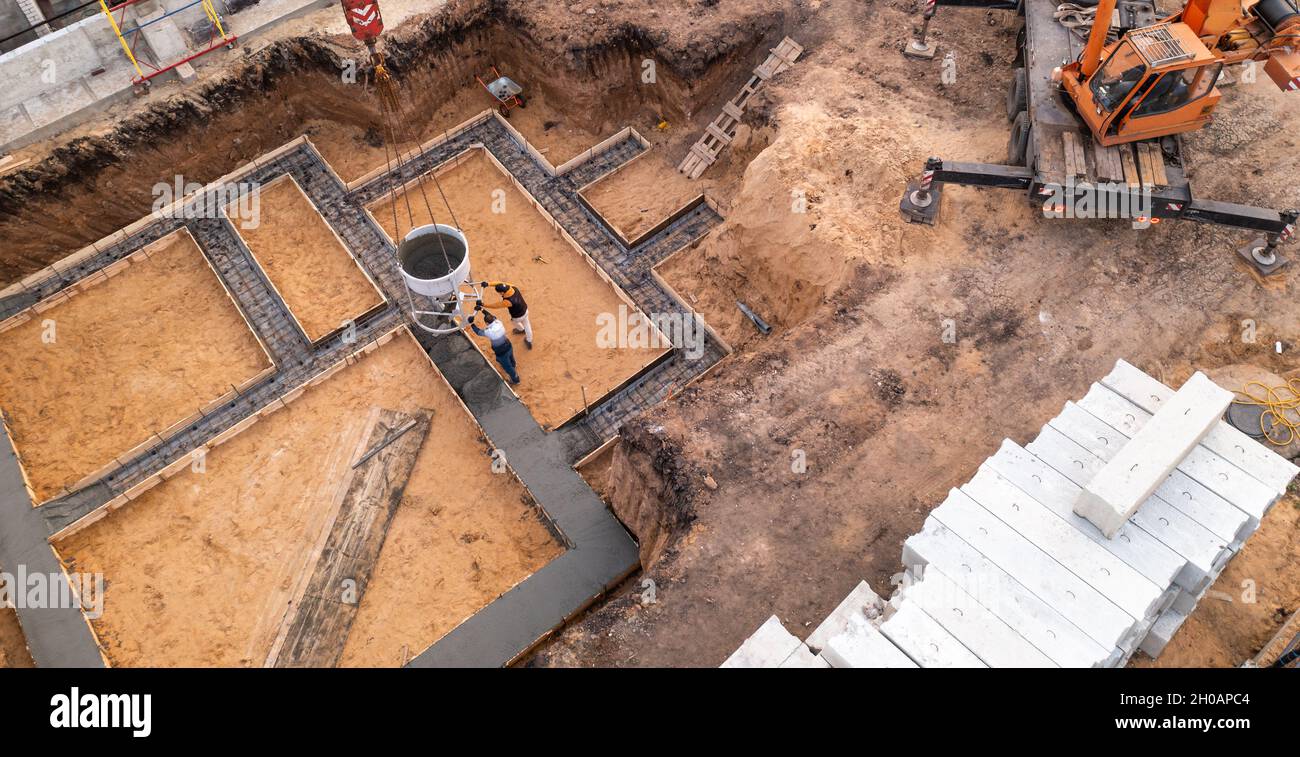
x: 925, y: 641
x: 862, y: 602
x: 1109, y: 575
x: 861, y: 645
x: 1104, y: 439
x: 1147, y: 554
x: 57, y: 637
x: 600, y: 554
x: 938, y: 549
x: 1185, y: 536
x: 1134, y: 473
x: 979, y: 630
x: 1224, y: 440
x: 1213, y: 471
x: 1090, y: 610
x: 767, y: 647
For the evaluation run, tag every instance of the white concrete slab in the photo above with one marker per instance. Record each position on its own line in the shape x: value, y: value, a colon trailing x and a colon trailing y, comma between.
x: 768, y: 647
x: 1234, y: 446
x: 862, y: 602
x: 1115, y: 579
x: 803, y: 657
x: 1139, y: 467
x: 979, y: 630
x: 1198, y: 546
x: 1147, y: 554
x: 1215, y: 513
x: 861, y: 645
x: 1162, y: 631
x: 1213, y: 471
x: 927, y: 642
x: 937, y: 548
x: 1037, y: 571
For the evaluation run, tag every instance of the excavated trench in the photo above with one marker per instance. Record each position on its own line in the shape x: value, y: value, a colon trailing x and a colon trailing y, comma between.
x: 88, y: 188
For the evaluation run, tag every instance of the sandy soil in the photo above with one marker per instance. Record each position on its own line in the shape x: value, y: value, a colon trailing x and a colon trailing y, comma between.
x: 199, y: 569
x: 565, y: 296
x: 13, y: 645
x: 306, y: 262
x: 642, y: 194
x: 131, y: 356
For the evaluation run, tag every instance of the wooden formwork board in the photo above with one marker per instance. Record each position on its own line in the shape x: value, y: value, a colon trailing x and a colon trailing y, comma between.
x: 382, y: 301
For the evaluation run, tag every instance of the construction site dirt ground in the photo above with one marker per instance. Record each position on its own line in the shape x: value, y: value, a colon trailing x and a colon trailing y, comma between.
x: 354, y: 150
x: 306, y: 262
x: 511, y: 241
x: 96, y: 375
x: 856, y: 377
x: 199, y: 570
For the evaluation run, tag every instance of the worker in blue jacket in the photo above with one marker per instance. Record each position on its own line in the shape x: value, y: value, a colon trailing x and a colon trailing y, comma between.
x: 495, y: 332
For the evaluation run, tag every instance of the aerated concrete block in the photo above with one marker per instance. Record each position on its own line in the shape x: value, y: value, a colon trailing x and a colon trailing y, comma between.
x: 926, y: 641
x: 803, y: 657
x: 979, y: 630
x: 768, y: 647
x: 1090, y: 610
x: 1198, y: 547
x: 937, y: 548
x: 1234, y: 446
x: 1109, y: 575
x: 1133, y: 475
x: 860, y: 645
x: 1103, y: 421
x: 862, y: 602
x: 1162, y: 631
x: 1147, y: 554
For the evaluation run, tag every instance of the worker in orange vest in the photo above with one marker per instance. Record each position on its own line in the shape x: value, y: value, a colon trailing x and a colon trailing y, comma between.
x: 513, y: 300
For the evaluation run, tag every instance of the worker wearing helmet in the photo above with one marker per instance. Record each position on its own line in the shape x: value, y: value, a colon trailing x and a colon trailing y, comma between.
x: 496, y: 334
x: 513, y: 300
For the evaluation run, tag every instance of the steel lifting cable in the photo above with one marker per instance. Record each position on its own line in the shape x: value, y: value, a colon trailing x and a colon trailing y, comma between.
x: 1280, y: 410
x: 391, y: 105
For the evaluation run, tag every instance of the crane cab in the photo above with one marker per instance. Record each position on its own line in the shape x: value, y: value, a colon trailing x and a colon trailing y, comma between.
x: 1154, y: 81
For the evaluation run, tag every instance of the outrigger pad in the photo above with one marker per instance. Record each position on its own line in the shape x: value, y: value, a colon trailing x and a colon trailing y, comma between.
x: 1265, y: 269
x: 915, y: 213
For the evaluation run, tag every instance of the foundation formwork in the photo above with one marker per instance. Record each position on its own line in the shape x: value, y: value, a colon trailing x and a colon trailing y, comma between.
x: 601, y: 554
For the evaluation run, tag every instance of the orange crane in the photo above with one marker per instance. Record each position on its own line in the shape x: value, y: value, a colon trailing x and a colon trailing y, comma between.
x: 1159, y: 80
x: 1099, y: 98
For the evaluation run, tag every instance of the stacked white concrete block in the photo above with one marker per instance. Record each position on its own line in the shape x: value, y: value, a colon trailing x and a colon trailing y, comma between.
x: 1005, y: 573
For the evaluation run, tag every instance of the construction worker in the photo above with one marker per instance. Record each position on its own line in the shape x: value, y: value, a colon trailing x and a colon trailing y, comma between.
x: 496, y: 334
x: 513, y: 299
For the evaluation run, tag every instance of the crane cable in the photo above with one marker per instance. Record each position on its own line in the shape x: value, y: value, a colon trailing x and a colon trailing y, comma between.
x: 397, y: 134
x: 1281, y: 411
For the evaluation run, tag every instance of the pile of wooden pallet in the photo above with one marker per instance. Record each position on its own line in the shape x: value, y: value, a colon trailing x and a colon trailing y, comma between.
x: 719, y: 134
x: 1138, y: 164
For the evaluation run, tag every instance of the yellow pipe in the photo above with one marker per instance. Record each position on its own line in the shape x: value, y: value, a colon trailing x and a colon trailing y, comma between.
x: 212, y: 14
